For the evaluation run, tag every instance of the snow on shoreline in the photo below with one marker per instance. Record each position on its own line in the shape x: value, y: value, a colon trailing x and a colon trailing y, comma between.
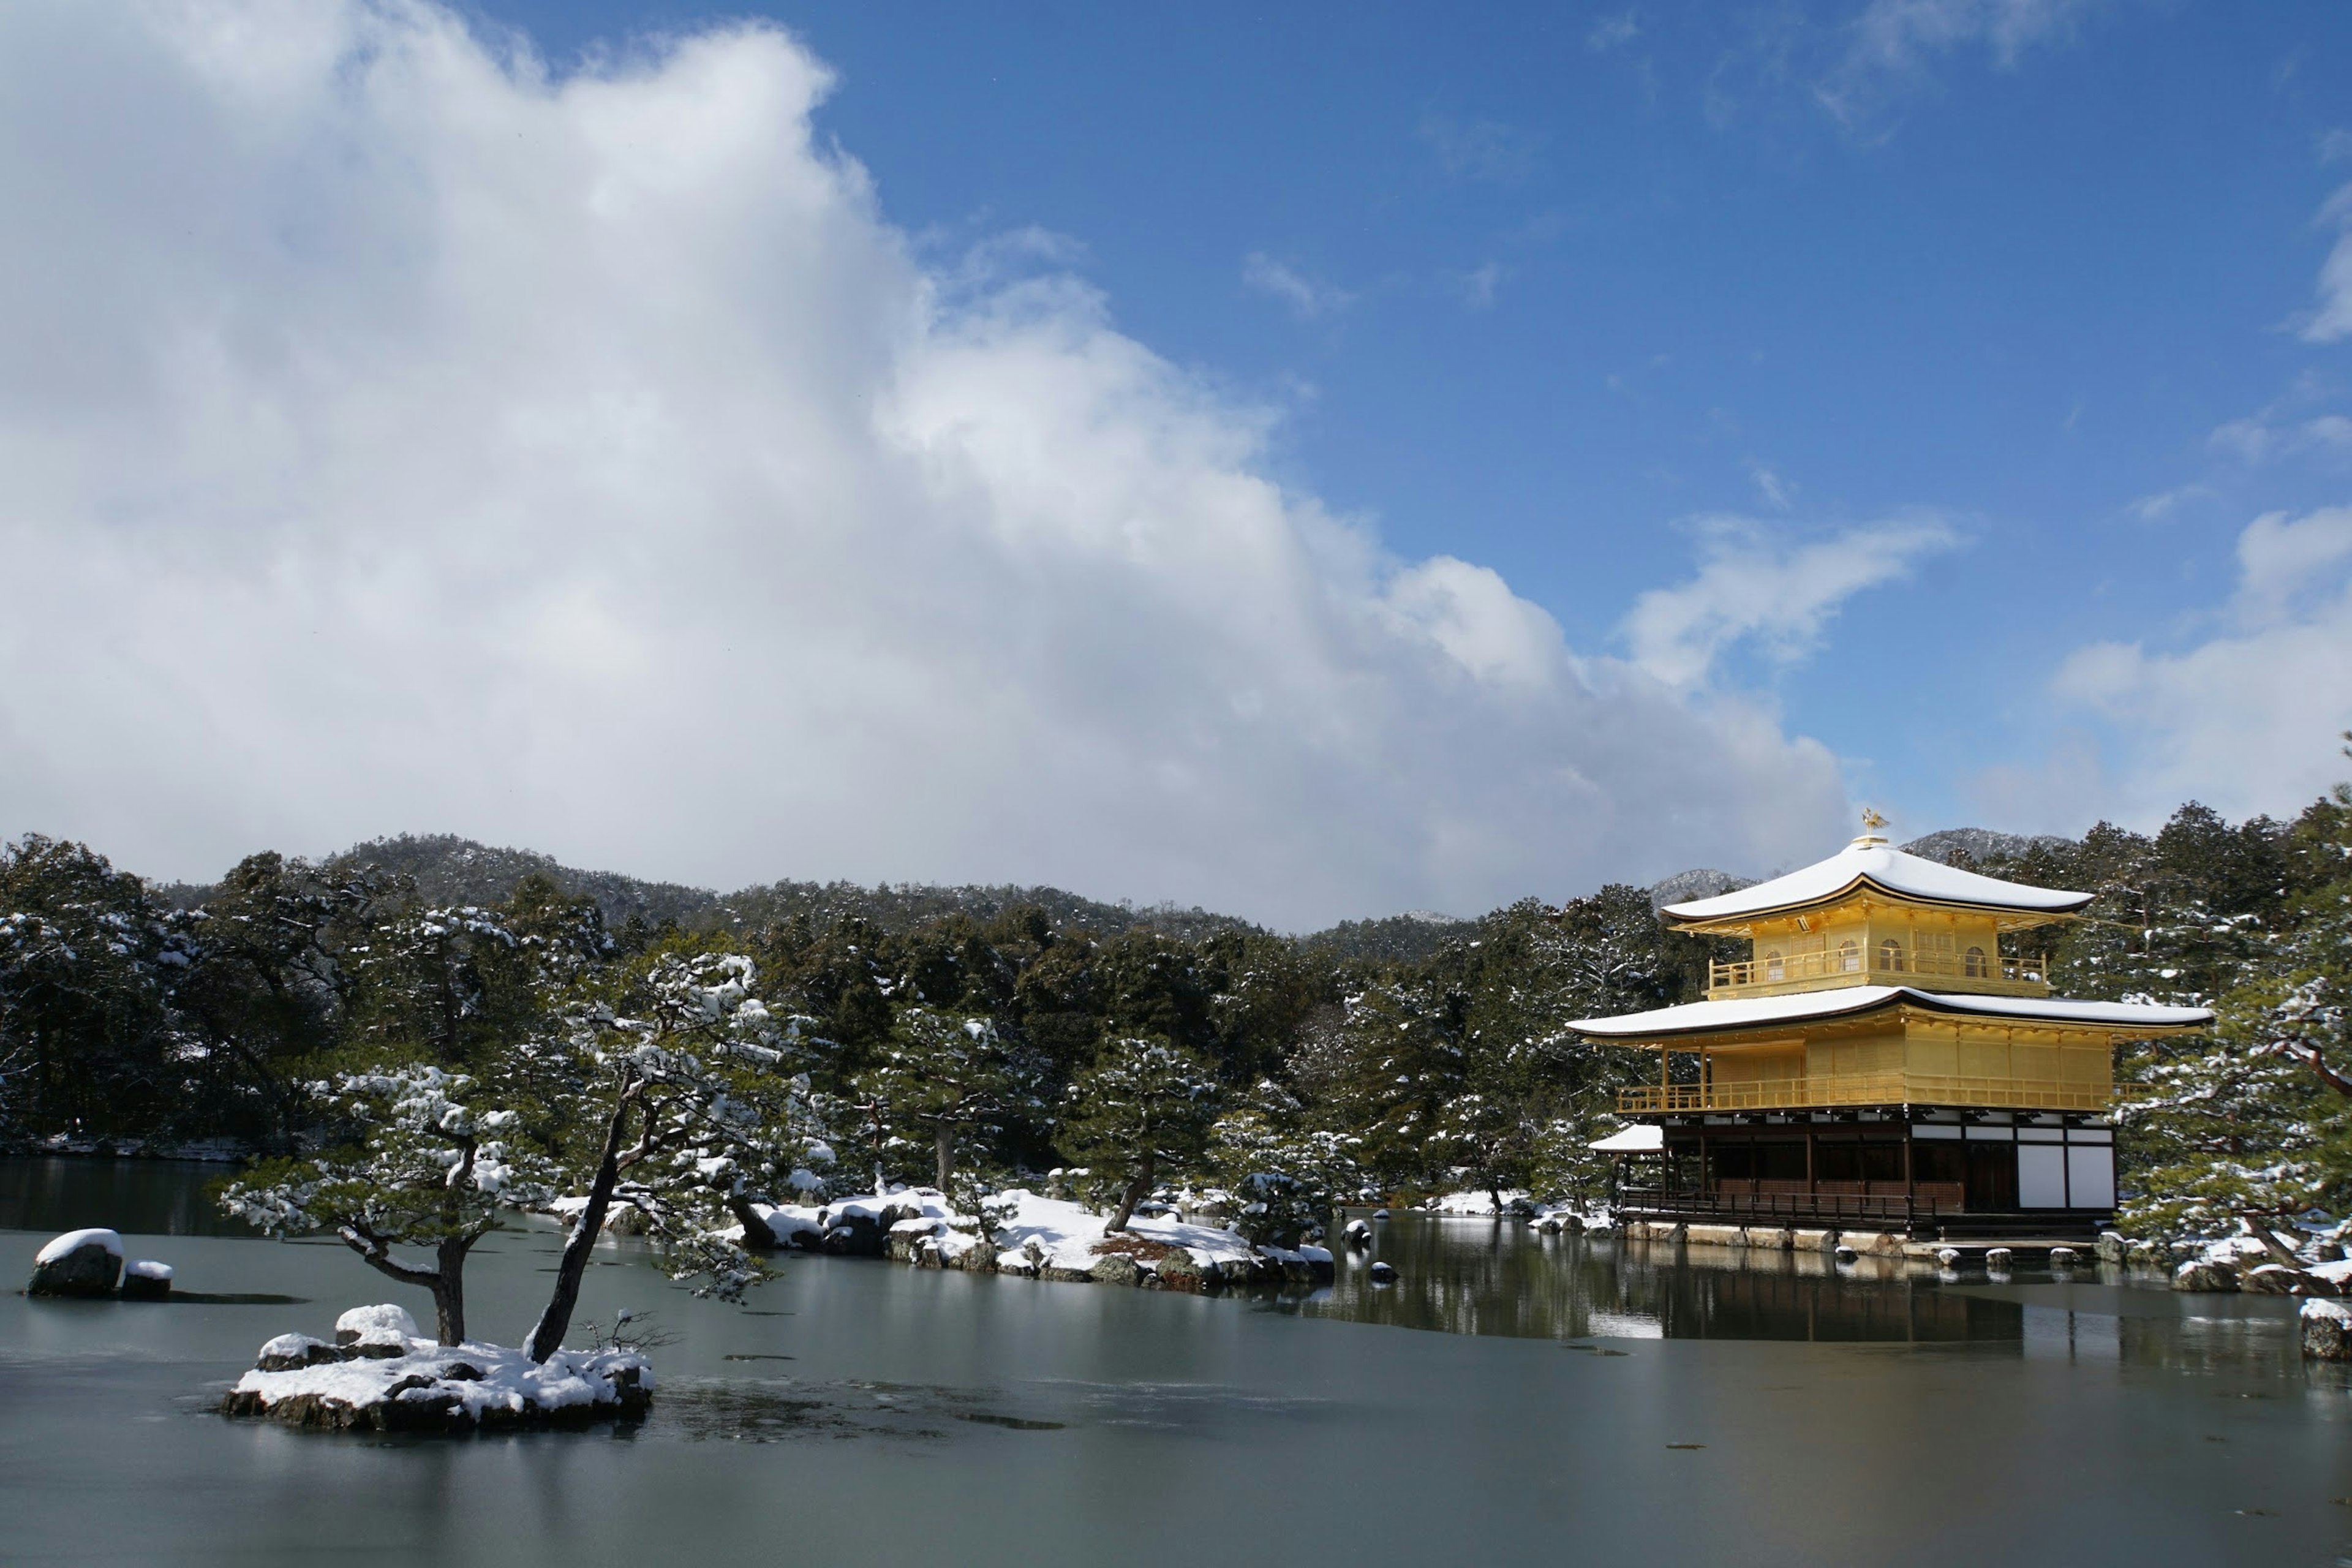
x: 1036, y: 1235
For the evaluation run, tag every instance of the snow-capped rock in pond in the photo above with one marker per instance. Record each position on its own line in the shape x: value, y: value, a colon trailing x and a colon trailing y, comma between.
x: 79, y: 1263
x: 428, y: 1387
x: 386, y: 1319
x: 147, y: 1280
x: 1384, y: 1273
x: 2326, y: 1329
x: 2204, y: 1274
x: 1357, y: 1234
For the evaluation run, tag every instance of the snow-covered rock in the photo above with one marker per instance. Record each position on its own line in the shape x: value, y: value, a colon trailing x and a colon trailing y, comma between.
x: 2326, y: 1329
x: 146, y: 1281
x: 362, y: 1322
x: 428, y: 1387
x: 79, y: 1263
x: 2205, y: 1274
x: 1383, y: 1273
x: 1478, y: 1204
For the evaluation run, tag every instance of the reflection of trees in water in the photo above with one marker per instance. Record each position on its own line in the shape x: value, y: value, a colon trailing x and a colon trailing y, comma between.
x: 1473, y: 1277
x: 145, y: 1197
x: 1476, y: 1276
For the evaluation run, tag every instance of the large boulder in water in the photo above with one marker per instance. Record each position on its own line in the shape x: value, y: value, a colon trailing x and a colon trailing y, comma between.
x: 2327, y: 1331
x: 2204, y: 1274
x: 79, y: 1263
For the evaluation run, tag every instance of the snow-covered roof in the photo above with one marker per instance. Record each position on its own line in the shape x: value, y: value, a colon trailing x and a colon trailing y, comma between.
x: 1874, y: 860
x: 1641, y: 1138
x: 1748, y: 1012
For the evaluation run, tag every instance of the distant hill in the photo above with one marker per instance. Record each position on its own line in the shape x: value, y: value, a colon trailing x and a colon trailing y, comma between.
x: 1980, y: 845
x: 453, y: 870
x: 1401, y: 939
x: 896, y: 908
x: 1703, y: 883
x: 449, y: 870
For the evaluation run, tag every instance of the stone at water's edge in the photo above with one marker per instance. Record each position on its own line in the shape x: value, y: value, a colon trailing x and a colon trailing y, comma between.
x: 2202, y: 1275
x: 147, y: 1280
x: 1384, y: 1273
x: 2327, y: 1330
x: 1116, y: 1268
x: 79, y: 1263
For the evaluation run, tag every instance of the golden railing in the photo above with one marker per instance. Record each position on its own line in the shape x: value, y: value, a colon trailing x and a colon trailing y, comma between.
x: 1874, y: 964
x: 1866, y: 1088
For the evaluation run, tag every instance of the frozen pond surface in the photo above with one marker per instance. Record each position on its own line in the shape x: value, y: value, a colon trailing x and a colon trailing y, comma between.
x: 1587, y: 1405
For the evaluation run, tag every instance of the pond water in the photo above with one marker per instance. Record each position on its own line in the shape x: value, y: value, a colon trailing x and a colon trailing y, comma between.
x: 1512, y: 1397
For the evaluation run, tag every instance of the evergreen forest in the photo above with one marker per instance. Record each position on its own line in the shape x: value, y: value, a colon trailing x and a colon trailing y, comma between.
x: 977, y: 1038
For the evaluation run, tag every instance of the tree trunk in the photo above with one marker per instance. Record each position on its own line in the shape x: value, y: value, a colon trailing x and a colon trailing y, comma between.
x: 556, y: 1322
x: 943, y: 1143
x: 449, y: 1290
x: 757, y: 1237
x: 1135, y: 1194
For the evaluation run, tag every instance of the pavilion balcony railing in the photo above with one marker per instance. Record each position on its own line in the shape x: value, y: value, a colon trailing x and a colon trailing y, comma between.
x: 1790, y: 1207
x: 1860, y: 966
x: 1866, y: 1088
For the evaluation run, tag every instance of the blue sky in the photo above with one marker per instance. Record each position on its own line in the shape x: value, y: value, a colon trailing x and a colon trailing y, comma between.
x: 1556, y: 280
x: 1311, y: 461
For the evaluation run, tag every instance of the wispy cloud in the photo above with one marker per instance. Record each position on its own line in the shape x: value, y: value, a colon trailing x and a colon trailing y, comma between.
x: 2163, y: 504
x: 1309, y: 298
x: 1778, y: 493
x: 1478, y: 286
x: 2331, y: 319
x: 1613, y: 32
x: 1754, y: 589
x: 1485, y: 150
x: 1892, y: 41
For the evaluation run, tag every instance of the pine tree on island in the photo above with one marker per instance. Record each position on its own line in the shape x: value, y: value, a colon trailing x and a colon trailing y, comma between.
x: 430, y: 1168
x: 690, y: 1104
x: 1145, y: 1106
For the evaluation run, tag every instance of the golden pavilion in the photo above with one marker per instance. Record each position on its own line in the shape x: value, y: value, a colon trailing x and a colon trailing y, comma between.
x: 1887, y: 1055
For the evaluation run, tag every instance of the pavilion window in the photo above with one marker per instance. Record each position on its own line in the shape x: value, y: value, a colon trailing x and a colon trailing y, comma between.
x: 1976, y: 965
x: 1773, y: 968
x: 1849, y: 958
x: 1890, y: 955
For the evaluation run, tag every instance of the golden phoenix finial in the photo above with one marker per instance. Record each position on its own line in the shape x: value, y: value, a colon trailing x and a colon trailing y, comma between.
x: 1871, y: 820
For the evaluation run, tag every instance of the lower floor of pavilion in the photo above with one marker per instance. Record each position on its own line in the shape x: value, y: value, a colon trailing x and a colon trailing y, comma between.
x: 1931, y: 1171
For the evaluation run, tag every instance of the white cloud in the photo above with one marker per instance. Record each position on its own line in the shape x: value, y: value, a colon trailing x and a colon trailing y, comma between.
x: 2331, y: 320
x: 393, y: 436
x: 1754, y: 589
x: 2247, y: 720
x: 1307, y: 298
